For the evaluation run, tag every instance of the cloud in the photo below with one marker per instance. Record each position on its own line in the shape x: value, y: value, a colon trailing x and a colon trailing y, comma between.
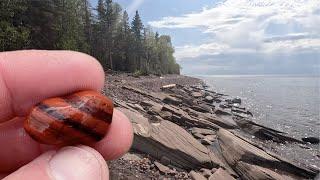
x: 268, y: 28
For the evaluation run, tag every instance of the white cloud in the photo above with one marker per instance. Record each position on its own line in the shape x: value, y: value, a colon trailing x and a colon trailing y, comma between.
x: 251, y: 26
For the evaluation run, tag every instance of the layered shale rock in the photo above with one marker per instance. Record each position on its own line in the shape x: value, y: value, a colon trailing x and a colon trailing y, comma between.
x: 251, y: 162
x: 166, y: 140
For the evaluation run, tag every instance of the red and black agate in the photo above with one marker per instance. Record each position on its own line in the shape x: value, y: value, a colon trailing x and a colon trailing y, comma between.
x: 80, y: 118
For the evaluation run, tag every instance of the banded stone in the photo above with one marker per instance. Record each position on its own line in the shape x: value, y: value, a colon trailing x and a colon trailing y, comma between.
x: 79, y: 118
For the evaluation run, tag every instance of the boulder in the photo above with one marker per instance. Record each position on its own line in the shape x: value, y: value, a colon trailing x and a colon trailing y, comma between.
x: 221, y: 174
x: 251, y: 162
x: 196, y: 176
x: 168, y: 140
x: 208, y: 99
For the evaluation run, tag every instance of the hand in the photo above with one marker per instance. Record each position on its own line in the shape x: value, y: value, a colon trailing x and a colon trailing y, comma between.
x: 26, y: 78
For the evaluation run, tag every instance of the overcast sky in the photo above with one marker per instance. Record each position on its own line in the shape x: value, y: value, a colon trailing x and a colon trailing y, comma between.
x: 238, y: 36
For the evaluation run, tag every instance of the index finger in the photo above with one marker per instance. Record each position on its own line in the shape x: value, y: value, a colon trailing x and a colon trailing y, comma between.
x: 27, y: 77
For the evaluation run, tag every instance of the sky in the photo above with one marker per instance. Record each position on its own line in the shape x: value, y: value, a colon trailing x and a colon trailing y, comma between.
x: 237, y: 36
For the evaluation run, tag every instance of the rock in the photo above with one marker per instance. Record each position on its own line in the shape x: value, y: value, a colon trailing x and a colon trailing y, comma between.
x: 219, y: 111
x: 196, y: 176
x: 205, y: 142
x: 251, y: 162
x: 210, y: 137
x: 165, y: 115
x: 158, y: 95
x: 166, y: 139
x: 182, y: 118
x: 221, y: 174
x: 312, y: 140
x: 208, y: 99
x: 223, y: 106
x: 196, y: 94
x: 202, y: 131
x: 198, y: 135
x: 152, y: 106
x: 263, y: 132
x: 206, y: 172
x: 201, y: 109
x: 172, y: 100
x: 213, y: 170
x: 131, y: 157
x: 236, y: 100
x: 162, y: 168
x: 223, y: 121
x: 204, y: 109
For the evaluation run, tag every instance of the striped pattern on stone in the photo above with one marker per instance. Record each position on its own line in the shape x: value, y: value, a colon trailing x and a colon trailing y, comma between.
x: 79, y: 118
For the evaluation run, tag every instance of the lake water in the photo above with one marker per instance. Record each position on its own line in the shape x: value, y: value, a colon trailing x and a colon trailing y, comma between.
x: 286, y: 103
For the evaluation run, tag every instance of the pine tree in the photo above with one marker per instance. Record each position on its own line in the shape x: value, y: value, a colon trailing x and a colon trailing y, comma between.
x: 137, y: 28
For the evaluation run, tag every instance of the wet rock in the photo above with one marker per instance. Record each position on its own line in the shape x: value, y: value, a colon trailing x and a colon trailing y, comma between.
x: 196, y: 94
x: 236, y: 100
x: 166, y: 139
x: 221, y: 174
x: 312, y: 140
x: 263, y: 132
x: 196, y: 176
x: 251, y: 162
x: 208, y: 99
x: 223, y: 106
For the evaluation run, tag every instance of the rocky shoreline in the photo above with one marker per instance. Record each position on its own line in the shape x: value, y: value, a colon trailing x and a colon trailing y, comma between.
x: 185, y: 131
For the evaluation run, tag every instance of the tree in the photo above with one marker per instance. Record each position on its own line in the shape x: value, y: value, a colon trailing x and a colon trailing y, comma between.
x: 13, y: 33
x: 105, y: 34
x: 137, y: 28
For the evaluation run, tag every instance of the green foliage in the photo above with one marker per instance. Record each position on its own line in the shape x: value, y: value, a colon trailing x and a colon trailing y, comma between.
x: 71, y: 24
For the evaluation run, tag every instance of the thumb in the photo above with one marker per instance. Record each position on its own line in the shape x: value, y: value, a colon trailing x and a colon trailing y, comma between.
x: 69, y: 163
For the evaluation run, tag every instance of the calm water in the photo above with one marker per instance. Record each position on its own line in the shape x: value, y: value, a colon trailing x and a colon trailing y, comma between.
x: 287, y: 103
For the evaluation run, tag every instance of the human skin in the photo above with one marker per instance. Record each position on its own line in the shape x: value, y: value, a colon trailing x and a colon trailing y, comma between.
x: 28, y: 77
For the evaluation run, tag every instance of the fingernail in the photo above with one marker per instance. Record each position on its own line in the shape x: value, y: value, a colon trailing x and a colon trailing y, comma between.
x: 75, y: 163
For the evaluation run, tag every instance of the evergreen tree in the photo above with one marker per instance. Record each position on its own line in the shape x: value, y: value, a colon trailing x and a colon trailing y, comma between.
x: 71, y: 24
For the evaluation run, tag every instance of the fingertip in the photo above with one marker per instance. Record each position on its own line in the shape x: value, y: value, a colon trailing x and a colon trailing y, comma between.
x: 70, y: 162
x: 119, y: 138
